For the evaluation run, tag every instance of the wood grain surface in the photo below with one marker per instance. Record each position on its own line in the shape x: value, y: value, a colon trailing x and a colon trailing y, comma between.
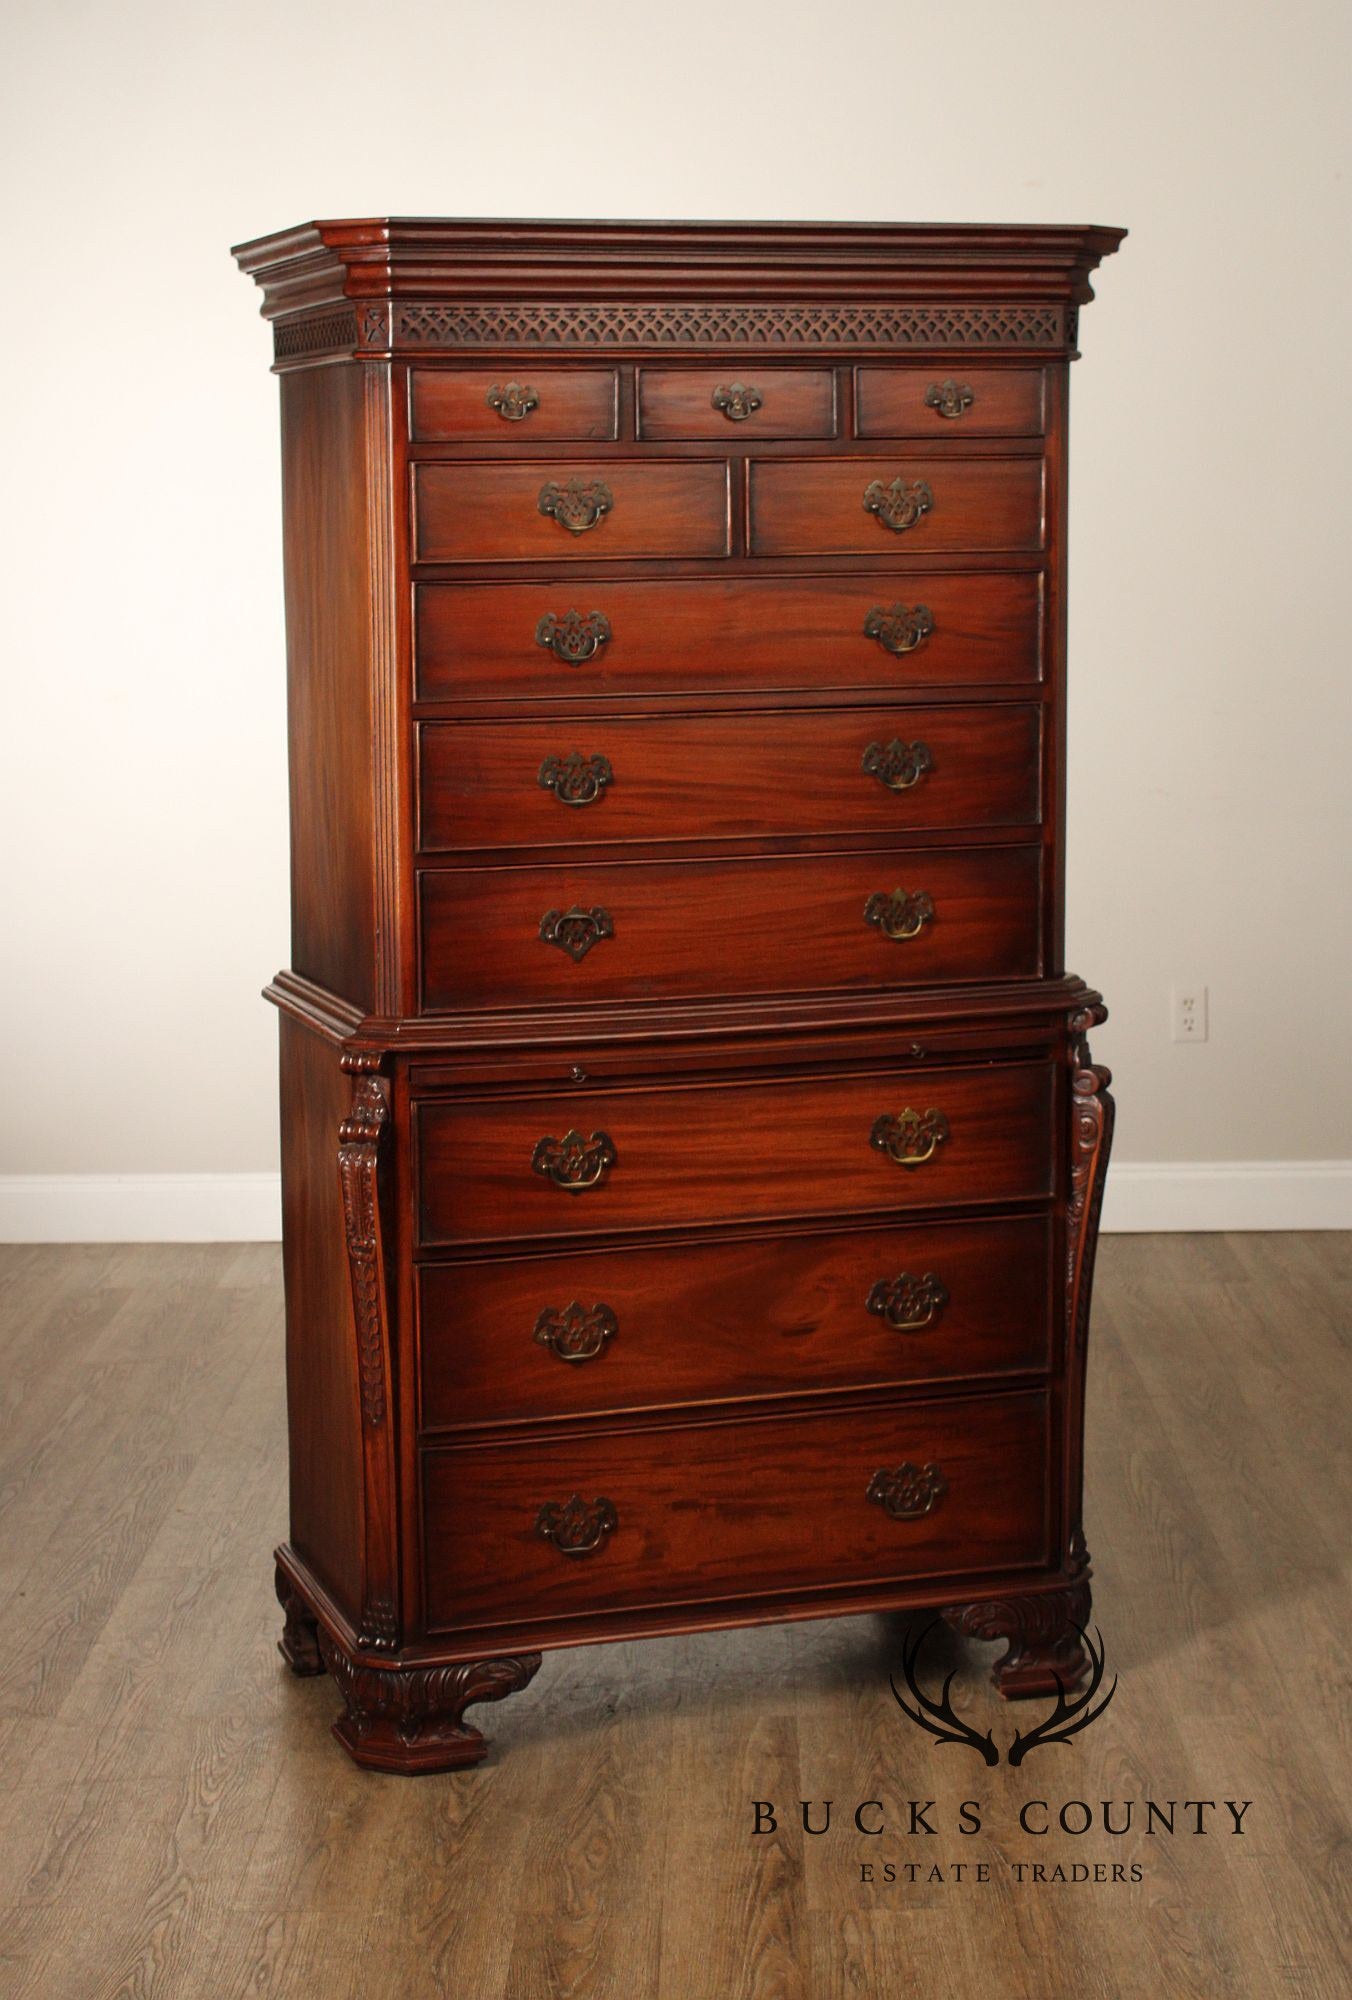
x: 749, y: 634
x: 175, y: 1821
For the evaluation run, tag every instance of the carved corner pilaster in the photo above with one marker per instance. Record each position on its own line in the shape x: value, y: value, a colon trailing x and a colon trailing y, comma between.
x: 1091, y: 1139
x: 410, y: 1720
x: 360, y: 1139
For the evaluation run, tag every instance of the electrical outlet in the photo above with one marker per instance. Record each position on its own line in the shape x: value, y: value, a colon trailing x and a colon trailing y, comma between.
x: 1188, y: 1012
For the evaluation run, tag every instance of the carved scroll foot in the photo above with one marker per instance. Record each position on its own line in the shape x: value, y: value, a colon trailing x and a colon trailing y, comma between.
x: 410, y: 1720
x: 1043, y: 1644
x: 299, y: 1643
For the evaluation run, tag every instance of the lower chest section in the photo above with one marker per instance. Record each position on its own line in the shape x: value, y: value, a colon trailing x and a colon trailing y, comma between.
x: 686, y: 1346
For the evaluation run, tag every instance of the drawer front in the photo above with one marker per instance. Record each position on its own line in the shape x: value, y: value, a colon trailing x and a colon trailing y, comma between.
x: 536, y: 641
x: 493, y: 1169
x: 726, y: 777
x: 910, y: 506
x: 538, y: 510
x: 937, y: 402
x: 624, y: 930
x: 618, y: 1329
x: 765, y: 402
x: 732, y: 1510
x: 514, y: 402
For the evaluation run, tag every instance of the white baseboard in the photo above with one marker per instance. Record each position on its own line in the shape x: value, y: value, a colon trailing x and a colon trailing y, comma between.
x: 1227, y: 1194
x: 141, y: 1208
x: 247, y: 1208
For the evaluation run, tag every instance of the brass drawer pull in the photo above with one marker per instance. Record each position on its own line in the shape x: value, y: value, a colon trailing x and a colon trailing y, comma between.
x: 900, y: 505
x: 577, y: 930
x: 737, y: 402
x: 908, y: 1492
x: 573, y: 638
x: 900, y: 915
x: 514, y: 402
x: 897, y: 765
x: 950, y: 398
x: 577, y: 506
x: 574, y: 1527
x: 576, y: 780
x: 909, y: 1138
x: 573, y: 1162
x: 897, y: 629
x: 909, y: 1305
x: 576, y: 1332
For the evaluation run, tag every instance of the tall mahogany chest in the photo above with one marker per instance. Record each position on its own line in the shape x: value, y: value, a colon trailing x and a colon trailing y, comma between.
x: 691, y: 1150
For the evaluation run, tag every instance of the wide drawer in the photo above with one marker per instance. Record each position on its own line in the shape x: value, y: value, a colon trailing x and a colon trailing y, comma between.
x: 681, y: 1515
x: 908, y: 506
x: 504, y: 404
x: 534, y: 641
x: 627, y: 930
x: 617, y: 1329
x: 590, y: 1161
x: 540, y: 510
x: 726, y: 777
x: 929, y: 402
x: 765, y: 402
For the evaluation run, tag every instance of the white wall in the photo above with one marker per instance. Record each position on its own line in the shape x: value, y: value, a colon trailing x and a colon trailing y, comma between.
x: 145, y: 893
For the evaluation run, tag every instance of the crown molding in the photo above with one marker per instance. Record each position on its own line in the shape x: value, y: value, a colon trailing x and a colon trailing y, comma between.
x: 401, y: 286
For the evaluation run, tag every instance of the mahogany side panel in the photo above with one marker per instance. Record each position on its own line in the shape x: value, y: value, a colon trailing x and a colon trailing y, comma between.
x: 323, y: 1392
x: 329, y: 580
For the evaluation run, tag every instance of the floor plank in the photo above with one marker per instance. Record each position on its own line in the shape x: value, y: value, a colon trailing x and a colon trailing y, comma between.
x: 175, y: 1819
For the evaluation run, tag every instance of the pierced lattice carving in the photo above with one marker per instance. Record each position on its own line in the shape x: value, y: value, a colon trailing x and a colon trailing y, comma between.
x: 417, y: 325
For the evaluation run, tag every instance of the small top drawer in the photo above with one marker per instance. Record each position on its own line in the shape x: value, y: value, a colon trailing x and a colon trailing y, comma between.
x: 510, y: 403
x: 765, y: 402
x: 969, y: 402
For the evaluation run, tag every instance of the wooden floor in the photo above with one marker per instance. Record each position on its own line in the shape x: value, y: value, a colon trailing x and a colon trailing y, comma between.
x: 175, y: 1819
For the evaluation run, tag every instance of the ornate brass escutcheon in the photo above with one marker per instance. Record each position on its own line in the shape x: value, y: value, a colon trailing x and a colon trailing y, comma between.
x: 908, y: 1492
x: 573, y: 1162
x: 573, y: 638
x: 736, y: 401
x: 514, y: 402
x: 900, y: 505
x: 950, y: 399
x: 577, y: 930
x: 900, y: 915
x: 576, y: 1332
x: 897, y: 765
x: 909, y: 1138
x: 909, y: 1305
x: 575, y: 780
x: 899, y: 630
x: 576, y: 1526
x: 578, y: 505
